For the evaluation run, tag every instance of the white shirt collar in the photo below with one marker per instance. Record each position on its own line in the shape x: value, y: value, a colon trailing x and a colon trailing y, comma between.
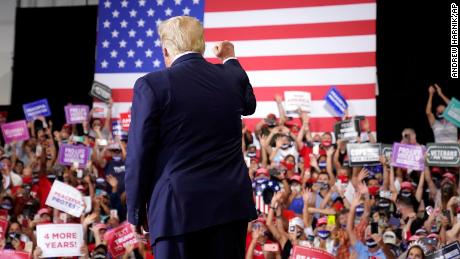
x: 182, y: 54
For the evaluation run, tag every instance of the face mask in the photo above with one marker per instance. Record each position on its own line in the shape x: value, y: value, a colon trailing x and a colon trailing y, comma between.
x: 296, y: 188
x: 371, y: 243
x: 322, y: 165
x: 316, y: 143
x: 406, y: 194
x: 439, y: 116
x: 251, y: 154
x: 324, y: 186
x: 7, y: 206
x: 289, y: 166
x: 373, y: 190
x: 298, y: 234
x: 116, y: 158
x: 324, y: 234
x: 326, y: 143
x: 285, y: 146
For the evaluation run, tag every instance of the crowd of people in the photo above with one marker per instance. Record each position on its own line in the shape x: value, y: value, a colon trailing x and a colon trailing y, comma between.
x: 306, y: 193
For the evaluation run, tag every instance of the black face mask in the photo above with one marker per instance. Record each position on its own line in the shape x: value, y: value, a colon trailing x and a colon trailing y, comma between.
x: 439, y: 116
x: 447, y: 190
x: 371, y: 243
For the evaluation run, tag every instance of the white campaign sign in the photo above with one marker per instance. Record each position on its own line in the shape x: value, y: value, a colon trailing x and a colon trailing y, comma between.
x: 293, y: 100
x: 60, y: 240
x: 99, y: 110
x: 65, y: 198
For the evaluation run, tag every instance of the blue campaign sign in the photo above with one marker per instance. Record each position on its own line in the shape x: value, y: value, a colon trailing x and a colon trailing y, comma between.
x: 36, y: 109
x: 336, y: 101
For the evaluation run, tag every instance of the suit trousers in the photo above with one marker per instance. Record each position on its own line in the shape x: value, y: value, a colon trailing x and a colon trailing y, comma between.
x: 226, y: 241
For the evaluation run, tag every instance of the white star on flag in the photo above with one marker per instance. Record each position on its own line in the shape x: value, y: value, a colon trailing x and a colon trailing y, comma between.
x: 107, y: 4
x: 150, y: 12
x: 132, y: 33
x: 121, y: 63
x: 113, y: 54
x: 122, y: 44
x: 115, y: 34
x: 149, y: 32
x: 157, y: 43
x: 106, y: 24
x: 115, y: 14
x: 130, y: 53
x: 196, y: 1
x: 177, y: 2
x: 168, y: 12
x: 158, y: 21
x: 141, y: 2
x: 186, y: 11
x: 104, y: 64
x: 132, y: 13
x: 138, y: 63
x: 156, y: 63
x: 140, y: 43
x: 148, y: 53
x: 105, y: 44
x: 124, y: 3
x: 123, y: 24
x: 140, y: 23
x: 160, y: 2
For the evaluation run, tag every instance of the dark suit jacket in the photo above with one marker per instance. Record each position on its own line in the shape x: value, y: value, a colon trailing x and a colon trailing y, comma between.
x: 184, y: 147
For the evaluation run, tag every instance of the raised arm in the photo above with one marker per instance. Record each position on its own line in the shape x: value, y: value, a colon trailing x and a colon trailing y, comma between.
x: 441, y: 94
x: 351, y: 219
x: 281, y: 110
x: 428, y: 111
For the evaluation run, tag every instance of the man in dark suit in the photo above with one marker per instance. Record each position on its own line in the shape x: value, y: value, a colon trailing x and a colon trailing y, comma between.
x: 185, y: 169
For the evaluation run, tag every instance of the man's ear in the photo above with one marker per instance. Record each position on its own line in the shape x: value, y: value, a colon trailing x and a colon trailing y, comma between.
x: 165, y: 52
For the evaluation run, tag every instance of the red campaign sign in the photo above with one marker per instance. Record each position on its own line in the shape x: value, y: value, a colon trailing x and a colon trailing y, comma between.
x: 120, y: 237
x: 12, y: 254
x: 301, y: 252
x: 3, y: 227
x: 125, y: 119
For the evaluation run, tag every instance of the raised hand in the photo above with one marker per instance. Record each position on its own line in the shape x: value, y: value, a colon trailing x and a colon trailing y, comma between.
x: 438, y: 89
x: 431, y: 90
x: 363, y: 174
x: 224, y: 50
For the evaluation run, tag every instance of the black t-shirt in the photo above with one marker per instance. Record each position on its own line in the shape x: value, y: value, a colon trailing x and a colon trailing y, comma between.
x: 286, y: 250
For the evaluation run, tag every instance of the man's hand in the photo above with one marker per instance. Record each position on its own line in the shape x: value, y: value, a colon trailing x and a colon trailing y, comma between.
x: 438, y: 89
x: 224, y: 50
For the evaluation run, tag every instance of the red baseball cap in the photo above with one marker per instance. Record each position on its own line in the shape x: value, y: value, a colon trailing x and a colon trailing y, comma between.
x: 262, y: 171
x: 43, y: 211
x: 296, y: 177
x: 321, y: 221
x: 407, y: 185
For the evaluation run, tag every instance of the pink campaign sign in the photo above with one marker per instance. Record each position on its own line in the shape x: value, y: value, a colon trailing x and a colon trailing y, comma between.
x: 15, y: 131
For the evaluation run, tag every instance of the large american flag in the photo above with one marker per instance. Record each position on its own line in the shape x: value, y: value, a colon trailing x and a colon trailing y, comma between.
x: 306, y: 45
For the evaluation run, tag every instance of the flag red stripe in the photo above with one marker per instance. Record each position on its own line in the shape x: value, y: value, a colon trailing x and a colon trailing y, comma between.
x: 242, y: 5
x: 316, y: 124
x: 350, y: 92
x: 362, y: 59
x: 291, y: 31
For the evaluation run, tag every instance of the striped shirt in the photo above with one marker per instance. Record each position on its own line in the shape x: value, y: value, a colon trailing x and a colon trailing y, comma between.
x: 444, y: 132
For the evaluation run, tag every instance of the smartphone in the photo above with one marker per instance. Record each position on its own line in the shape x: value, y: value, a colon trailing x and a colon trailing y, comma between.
x: 385, y: 194
x: 291, y: 228
x: 316, y: 150
x: 38, y: 150
x: 114, y: 213
x: 271, y: 247
x: 102, y: 142
x: 374, y: 228
x: 446, y: 213
x: 79, y: 173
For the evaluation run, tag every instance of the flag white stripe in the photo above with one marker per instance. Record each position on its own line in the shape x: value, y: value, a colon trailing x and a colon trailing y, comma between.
x: 364, y: 107
x: 300, y: 46
x: 264, y: 78
x: 283, y: 16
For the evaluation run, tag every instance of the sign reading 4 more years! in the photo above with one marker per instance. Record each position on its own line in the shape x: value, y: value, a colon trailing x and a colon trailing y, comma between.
x: 443, y: 155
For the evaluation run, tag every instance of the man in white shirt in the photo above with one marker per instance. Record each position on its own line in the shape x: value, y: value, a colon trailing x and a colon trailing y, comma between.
x: 10, y: 177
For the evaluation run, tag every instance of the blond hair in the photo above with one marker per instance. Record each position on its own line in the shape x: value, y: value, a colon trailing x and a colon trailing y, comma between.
x: 180, y: 34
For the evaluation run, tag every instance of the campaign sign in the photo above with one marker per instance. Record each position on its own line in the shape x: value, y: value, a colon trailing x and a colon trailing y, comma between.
x: 301, y: 252
x: 99, y: 110
x: 347, y: 129
x: 60, y: 240
x: 452, y: 112
x: 125, y: 119
x: 387, y: 151
x: 443, y: 155
x: 75, y: 114
x: 117, y: 130
x: 120, y: 237
x: 13, y: 254
x: 3, y: 227
x: 65, y: 198
x: 15, y: 131
x: 408, y: 156
x: 363, y: 154
x: 101, y: 92
x: 36, y: 109
x: 449, y: 251
x: 295, y: 100
x: 336, y: 101
x: 69, y: 154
